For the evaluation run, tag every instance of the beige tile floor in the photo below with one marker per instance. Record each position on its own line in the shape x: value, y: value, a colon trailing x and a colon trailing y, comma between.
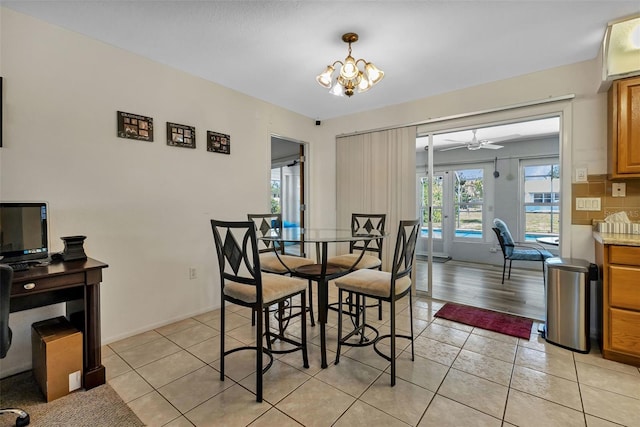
x: 461, y: 376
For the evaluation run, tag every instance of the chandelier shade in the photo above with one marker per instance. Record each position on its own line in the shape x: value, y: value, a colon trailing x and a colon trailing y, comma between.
x: 324, y: 78
x: 350, y: 76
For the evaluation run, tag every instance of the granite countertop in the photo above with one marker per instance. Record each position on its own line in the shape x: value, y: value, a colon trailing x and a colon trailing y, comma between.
x: 617, y: 239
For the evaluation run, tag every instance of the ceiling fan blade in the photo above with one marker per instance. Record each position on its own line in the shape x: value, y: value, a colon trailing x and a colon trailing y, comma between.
x: 503, y: 138
x: 456, y: 140
x: 491, y: 146
x: 452, y: 148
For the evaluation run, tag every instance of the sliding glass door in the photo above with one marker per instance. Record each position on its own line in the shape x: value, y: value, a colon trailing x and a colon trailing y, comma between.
x: 457, y: 209
x: 469, y: 175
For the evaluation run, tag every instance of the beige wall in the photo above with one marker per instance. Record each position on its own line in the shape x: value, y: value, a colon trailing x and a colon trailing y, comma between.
x: 145, y: 206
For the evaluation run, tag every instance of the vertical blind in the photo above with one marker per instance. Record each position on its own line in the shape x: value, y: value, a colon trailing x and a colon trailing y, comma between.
x: 376, y: 173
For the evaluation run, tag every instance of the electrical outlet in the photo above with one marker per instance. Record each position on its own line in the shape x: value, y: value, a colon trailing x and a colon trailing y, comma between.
x: 494, y: 250
x: 192, y: 273
x: 619, y: 189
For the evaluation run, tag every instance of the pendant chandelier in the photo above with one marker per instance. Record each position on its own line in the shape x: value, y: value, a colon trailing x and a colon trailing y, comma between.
x: 350, y: 76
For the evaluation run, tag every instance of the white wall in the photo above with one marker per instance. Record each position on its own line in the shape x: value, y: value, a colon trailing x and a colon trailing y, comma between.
x: 144, y: 206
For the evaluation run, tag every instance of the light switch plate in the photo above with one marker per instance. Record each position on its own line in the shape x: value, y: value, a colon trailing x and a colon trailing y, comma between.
x: 581, y: 174
x: 588, y: 203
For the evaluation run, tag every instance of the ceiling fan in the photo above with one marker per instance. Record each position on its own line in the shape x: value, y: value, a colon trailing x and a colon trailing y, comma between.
x: 476, y: 144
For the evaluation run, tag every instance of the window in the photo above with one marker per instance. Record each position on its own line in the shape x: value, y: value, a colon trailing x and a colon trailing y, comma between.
x: 468, y: 202
x: 541, y: 197
x: 437, y: 206
x: 546, y: 197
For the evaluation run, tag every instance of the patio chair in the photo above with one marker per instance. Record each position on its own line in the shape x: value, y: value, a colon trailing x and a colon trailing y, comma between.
x: 516, y: 251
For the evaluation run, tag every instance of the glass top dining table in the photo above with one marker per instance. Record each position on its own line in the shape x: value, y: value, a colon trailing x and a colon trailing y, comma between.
x: 321, y: 272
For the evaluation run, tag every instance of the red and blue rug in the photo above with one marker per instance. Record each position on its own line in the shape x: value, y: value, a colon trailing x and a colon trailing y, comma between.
x: 486, y: 319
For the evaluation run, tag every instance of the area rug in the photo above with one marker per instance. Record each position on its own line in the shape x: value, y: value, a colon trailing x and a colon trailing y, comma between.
x: 486, y: 319
x: 98, y: 407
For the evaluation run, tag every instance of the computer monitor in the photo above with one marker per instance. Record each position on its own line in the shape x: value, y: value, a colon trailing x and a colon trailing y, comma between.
x: 23, y: 231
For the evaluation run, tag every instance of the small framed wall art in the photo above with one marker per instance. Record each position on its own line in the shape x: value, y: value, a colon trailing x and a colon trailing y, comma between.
x: 218, y: 142
x: 181, y: 135
x: 134, y: 126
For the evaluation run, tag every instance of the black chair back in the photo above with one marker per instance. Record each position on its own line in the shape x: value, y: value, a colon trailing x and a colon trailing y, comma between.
x: 372, y: 224
x: 501, y: 241
x: 237, y: 250
x: 266, y: 225
x: 404, y: 254
x: 6, y: 276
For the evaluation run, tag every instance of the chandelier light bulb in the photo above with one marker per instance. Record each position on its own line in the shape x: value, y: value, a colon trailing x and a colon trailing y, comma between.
x: 365, y: 85
x: 349, y: 70
x: 337, y: 90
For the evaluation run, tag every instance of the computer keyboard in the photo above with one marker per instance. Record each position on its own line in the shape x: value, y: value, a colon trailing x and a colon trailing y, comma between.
x: 20, y: 266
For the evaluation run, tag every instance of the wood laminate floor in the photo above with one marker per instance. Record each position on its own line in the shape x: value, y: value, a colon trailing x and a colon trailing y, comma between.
x: 479, y: 285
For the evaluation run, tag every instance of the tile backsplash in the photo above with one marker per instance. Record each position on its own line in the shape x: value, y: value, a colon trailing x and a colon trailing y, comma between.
x: 600, y: 186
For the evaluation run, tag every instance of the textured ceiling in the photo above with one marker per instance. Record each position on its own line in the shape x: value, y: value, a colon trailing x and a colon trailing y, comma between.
x: 272, y: 50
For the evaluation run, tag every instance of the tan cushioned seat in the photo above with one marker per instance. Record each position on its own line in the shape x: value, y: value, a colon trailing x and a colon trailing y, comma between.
x: 274, y: 287
x: 346, y: 261
x: 372, y: 282
x: 272, y: 263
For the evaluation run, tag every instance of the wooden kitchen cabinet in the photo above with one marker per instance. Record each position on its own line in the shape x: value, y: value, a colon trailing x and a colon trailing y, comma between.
x: 623, y: 149
x: 620, y: 268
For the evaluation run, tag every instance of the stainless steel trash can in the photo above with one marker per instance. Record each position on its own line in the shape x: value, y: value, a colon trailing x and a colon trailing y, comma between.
x: 568, y: 302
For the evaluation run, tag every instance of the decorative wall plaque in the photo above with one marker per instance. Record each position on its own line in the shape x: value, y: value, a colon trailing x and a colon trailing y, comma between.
x: 134, y: 126
x: 181, y: 135
x: 218, y: 142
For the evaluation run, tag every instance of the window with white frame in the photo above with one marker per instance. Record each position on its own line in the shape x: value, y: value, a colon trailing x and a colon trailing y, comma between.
x: 468, y: 202
x: 540, y: 187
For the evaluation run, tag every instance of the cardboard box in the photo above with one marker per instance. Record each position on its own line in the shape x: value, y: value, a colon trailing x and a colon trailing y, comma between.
x: 57, y: 357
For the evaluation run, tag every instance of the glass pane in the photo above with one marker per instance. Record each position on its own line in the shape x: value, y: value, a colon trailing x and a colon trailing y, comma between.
x: 437, y: 206
x: 541, y: 220
x: 541, y: 200
x: 469, y: 198
x: 275, y: 191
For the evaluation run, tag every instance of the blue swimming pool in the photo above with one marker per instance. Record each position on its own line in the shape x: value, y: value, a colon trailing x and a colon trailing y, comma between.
x: 472, y: 234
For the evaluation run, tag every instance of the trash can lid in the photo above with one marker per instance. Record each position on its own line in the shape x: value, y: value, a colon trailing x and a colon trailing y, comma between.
x: 568, y: 264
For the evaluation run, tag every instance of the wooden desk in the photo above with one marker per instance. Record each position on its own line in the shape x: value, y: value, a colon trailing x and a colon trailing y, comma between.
x: 76, y: 283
